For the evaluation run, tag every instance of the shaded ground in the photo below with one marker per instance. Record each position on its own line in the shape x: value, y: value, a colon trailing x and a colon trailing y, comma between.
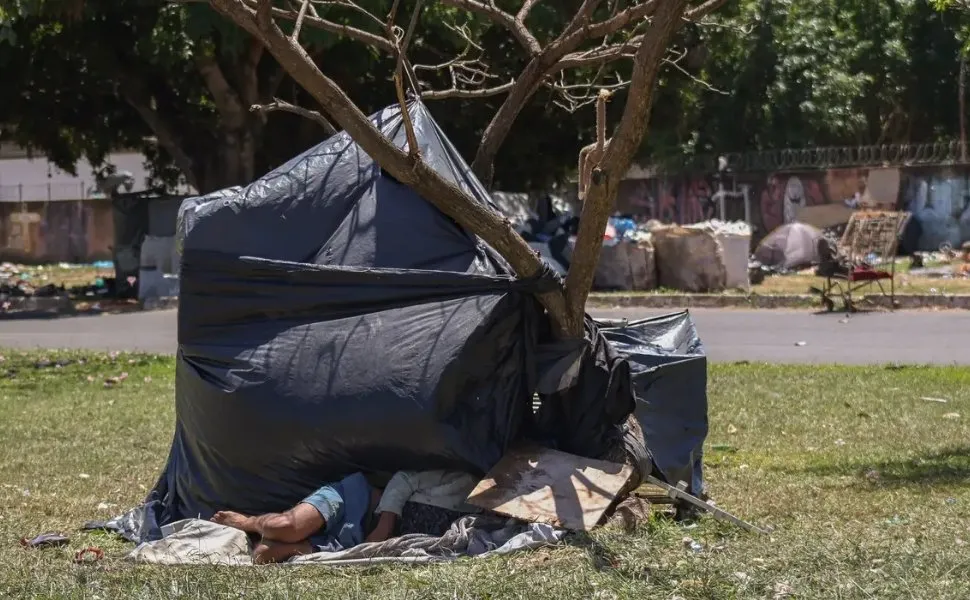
x: 864, y: 483
x: 911, y: 337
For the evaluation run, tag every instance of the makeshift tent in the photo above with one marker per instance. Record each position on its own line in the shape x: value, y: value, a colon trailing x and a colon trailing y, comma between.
x: 791, y: 246
x: 331, y: 321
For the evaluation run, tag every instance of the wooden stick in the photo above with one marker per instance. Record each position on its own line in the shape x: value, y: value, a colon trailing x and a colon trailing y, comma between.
x: 680, y: 493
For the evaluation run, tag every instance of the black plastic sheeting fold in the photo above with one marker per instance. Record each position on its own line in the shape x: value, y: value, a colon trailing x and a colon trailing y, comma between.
x: 332, y: 321
x: 669, y: 376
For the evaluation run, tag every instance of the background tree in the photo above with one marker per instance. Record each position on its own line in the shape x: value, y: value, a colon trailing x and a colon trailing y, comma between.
x: 799, y: 74
x: 176, y: 81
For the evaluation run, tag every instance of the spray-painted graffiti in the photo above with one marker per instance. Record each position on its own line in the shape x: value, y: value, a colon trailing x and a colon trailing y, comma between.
x: 938, y: 198
x: 784, y: 196
x: 940, y: 204
x: 680, y: 200
x: 59, y: 231
x: 65, y: 230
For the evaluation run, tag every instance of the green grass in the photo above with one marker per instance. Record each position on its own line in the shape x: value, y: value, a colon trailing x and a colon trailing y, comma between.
x: 781, y: 285
x: 864, y: 483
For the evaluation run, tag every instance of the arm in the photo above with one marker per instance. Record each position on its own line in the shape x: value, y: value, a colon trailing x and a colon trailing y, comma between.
x: 398, y: 490
x: 384, y: 528
x: 401, y: 488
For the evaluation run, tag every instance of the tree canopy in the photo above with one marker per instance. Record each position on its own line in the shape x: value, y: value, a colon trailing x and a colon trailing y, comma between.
x: 177, y: 80
x: 805, y: 73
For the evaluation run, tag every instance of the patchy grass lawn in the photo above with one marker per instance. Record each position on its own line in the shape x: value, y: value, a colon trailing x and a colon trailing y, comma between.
x: 864, y: 483
x: 800, y: 284
x: 905, y: 284
x: 61, y: 274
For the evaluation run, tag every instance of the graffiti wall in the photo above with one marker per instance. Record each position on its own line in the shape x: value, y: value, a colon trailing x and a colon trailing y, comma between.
x: 64, y: 231
x: 939, y: 198
x: 940, y: 203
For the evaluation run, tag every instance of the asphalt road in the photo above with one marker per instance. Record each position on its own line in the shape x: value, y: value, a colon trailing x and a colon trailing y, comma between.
x: 903, y: 337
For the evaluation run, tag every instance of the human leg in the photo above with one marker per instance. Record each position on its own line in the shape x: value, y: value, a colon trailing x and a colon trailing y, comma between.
x: 268, y: 551
x: 292, y: 526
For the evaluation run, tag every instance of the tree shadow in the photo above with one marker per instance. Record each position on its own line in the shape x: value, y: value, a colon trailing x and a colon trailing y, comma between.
x: 949, y: 466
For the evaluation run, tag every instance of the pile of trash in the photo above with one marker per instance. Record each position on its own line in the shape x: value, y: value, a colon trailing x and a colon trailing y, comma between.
x: 37, y: 288
x: 19, y: 281
x: 947, y: 263
x: 712, y: 256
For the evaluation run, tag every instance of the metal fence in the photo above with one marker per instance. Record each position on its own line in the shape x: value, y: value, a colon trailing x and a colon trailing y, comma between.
x: 787, y: 159
x: 41, y: 192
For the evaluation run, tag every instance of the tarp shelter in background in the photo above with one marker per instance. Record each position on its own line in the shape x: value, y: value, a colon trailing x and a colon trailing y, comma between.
x: 791, y: 246
x: 143, y: 220
x: 331, y: 320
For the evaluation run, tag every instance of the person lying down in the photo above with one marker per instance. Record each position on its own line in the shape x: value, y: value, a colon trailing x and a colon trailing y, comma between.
x: 344, y: 514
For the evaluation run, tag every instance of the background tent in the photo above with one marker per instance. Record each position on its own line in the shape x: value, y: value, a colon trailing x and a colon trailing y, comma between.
x: 791, y: 246
x: 332, y: 321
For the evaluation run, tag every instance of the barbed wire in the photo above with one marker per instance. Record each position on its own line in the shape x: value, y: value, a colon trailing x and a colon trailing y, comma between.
x: 888, y: 155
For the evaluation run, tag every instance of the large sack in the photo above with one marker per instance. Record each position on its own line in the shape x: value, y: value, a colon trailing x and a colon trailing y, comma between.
x: 625, y: 266
x: 643, y: 266
x: 735, y: 251
x: 689, y: 259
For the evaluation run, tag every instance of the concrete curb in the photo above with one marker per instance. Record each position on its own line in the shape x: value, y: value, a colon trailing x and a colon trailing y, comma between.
x: 903, y: 301
x: 52, y: 308
x: 37, y: 307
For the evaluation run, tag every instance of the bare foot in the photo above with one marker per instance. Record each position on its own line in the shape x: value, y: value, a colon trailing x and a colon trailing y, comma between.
x: 234, y: 519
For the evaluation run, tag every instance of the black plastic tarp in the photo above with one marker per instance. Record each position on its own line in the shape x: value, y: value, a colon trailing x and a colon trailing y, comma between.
x: 332, y: 321
x: 669, y: 373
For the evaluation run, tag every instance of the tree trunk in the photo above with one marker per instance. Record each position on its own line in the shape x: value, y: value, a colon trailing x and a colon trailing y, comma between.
x: 961, y: 100
x: 232, y: 161
x: 626, y: 140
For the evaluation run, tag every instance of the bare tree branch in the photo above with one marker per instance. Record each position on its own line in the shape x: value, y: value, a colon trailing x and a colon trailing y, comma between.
x: 675, y: 63
x: 318, y: 23
x: 299, y: 20
x: 594, y: 38
x: 278, y: 105
x: 473, y: 216
x: 583, y: 15
x: 402, y: 49
x: 620, y: 151
x: 264, y: 12
x: 704, y: 9
x: 579, y: 30
x: 515, y: 27
x: 463, y: 93
x: 392, y: 14
x: 600, y: 55
x: 565, y: 48
x: 469, y: 76
x: 527, y: 7
x: 572, y: 39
